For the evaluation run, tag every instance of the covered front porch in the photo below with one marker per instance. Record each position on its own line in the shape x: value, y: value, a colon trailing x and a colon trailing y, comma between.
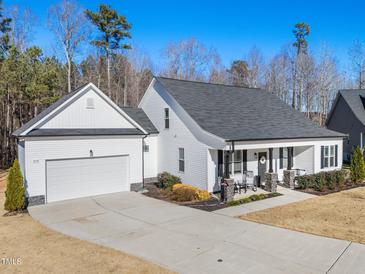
x: 243, y: 162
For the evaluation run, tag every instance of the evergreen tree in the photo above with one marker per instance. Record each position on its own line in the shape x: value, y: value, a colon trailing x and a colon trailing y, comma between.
x: 301, y: 31
x: 4, y: 36
x: 15, y: 193
x: 114, y: 28
x: 357, y: 166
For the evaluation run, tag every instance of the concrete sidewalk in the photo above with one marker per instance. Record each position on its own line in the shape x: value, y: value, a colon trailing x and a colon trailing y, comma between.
x: 289, y: 196
x: 188, y: 240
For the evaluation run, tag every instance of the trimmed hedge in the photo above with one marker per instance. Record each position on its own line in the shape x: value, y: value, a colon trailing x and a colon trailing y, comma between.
x: 252, y: 198
x: 323, y: 180
x: 184, y: 193
x: 167, y: 180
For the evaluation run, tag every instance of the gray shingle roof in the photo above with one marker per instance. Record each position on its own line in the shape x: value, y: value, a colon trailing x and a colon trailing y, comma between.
x: 47, y: 111
x: 138, y: 115
x: 353, y: 99
x: 84, y: 131
x: 237, y: 113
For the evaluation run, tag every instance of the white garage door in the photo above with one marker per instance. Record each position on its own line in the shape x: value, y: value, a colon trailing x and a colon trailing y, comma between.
x: 74, y: 178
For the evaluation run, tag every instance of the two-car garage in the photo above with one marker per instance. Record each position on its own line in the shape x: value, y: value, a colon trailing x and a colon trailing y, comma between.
x: 81, y: 177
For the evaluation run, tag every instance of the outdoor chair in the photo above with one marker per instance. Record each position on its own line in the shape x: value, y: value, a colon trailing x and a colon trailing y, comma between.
x: 249, y: 181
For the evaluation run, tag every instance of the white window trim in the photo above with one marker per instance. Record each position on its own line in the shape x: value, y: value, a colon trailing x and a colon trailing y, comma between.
x: 329, y: 156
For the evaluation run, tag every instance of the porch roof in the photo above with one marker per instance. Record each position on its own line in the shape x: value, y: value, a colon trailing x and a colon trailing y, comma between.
x: 236, y: 113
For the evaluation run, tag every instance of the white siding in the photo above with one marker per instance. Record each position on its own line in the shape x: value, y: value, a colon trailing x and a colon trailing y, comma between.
x: 77, y: 115
x: 21, y: 157
x: 150, y: 158
x: 37, y: 150
x: 303, y: 157
x: 170, y: 140
x: 213, y: 184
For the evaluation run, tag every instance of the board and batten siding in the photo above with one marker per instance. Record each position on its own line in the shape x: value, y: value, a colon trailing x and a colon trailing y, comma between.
x: 38, y: 150
x: 170, y: 140
x: 79, y: 115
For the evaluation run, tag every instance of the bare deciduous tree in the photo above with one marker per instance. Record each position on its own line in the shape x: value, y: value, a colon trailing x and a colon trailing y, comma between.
x: 69, y: 24
x: 188, y: 59
x: 357, y: 58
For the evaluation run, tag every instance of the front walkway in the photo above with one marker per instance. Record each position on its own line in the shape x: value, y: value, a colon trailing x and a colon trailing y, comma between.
x: 289, y: 196
x: 188, y: 240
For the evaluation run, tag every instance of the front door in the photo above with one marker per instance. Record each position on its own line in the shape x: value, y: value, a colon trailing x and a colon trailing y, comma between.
x: 261, y: 169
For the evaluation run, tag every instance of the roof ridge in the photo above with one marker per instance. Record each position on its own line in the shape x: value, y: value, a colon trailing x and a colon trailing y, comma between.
x: 202, y: 82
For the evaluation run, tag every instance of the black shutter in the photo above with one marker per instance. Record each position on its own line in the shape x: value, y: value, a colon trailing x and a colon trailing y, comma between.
x: 244, y: 160
x: 281, y: 156
x: 292, y: 157
x: 220, y: 163
x: 336, y: 153
x: 322, y: 156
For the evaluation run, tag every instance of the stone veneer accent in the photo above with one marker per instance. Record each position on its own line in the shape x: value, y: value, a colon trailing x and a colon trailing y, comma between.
x: 35, y: 200
x: 288, y: 179
x: 228, y: 189
x: 271, y: 181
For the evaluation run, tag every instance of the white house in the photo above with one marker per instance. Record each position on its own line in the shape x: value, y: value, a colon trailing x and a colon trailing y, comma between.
x: 85, y: 144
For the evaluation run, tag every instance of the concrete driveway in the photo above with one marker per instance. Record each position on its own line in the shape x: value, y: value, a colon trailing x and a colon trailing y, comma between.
x: 192, y: 241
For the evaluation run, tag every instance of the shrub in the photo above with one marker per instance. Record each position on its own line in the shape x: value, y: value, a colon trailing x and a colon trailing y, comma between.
x: 15, y: 193
x: 167, y: 180
x: 323, y: 180
x: 252, y: 198
x: 183, y: 193
x: 357, y: 166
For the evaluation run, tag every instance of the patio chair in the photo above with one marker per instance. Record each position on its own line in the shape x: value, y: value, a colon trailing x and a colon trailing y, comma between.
x: 249, y: 181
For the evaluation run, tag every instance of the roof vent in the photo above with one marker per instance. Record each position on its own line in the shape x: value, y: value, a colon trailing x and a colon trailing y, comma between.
x: 90, y: 103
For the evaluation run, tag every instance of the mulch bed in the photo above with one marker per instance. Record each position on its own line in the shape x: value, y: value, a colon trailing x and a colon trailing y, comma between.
x: 347, y: 185
x: 207, y: 205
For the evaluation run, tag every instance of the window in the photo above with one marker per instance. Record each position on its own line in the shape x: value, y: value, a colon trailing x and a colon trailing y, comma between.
x: 237, y: 161
x: 146, y: 148
x: 167, y: 118
x: 90, y: 103
x: 181, y: 160
x: 284, y: 156
x: 329, y: 156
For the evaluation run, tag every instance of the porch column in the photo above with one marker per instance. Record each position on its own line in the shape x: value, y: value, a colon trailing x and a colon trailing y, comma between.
x: 270, y: 159
x: 289, y: 149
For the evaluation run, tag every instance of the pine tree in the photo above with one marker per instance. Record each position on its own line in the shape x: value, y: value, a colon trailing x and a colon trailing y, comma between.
x: 114, y: 28
x: 357, y: 166
x: 4, y: 36
x: 14, y: 194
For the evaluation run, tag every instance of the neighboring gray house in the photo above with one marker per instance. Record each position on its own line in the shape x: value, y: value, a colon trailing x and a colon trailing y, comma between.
x: 348, y: 116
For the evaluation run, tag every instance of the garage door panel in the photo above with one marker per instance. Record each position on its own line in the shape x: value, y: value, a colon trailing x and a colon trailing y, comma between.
x: 74, y: 178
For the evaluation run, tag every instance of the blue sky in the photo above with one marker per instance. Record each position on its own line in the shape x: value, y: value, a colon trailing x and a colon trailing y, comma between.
x: 232, y: 27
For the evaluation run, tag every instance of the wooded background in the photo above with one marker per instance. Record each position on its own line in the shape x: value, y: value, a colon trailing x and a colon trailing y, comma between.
x: 31, y: 81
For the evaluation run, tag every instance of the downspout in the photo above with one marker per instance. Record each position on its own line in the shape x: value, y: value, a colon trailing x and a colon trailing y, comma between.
x: 144, y: 137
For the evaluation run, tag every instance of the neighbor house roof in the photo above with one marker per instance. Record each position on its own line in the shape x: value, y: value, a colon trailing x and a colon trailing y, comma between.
x: 237, y: 113
x: 138, y: 115
x: 355, y: 99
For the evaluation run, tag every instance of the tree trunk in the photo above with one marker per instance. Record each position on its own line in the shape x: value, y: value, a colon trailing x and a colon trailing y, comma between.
x: 108, y: 72
x: 125, y: 91
x: 69, y: 68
